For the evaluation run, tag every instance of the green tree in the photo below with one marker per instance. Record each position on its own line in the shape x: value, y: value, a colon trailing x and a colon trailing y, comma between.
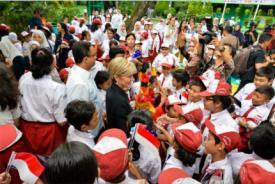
x: 191, y: 11
x: 160, y: 7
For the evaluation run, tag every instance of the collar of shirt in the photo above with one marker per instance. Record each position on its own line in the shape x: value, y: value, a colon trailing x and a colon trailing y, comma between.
x: 82, y: 72
x: 218, y: 164
x: 217, y: 115
x: 83, y: 134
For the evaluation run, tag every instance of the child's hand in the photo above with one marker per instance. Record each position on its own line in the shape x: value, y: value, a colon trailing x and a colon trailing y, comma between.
x: 5, y: 178
x: 159, y: 127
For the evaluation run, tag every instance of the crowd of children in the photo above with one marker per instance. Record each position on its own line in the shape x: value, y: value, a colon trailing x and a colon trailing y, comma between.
x: 165, y: 103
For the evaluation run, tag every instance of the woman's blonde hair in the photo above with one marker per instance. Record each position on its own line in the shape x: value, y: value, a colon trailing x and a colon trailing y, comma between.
x: 121, y: 67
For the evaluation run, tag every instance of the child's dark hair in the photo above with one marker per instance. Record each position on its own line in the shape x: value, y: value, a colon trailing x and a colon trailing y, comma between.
x: 226, y: 102
x: 73, y: 162
x: 42, y: 60
x: 9, y: 89
x: 143, y: 117
x: 265, y: 72
x: 266, y: 90
x: 187, y: 158
x: 113, y: 42
x: 79, y: 112
x: 101, y: 77
x: 197, y: 82
x: 84, y: 34
x: 181, y: 76
x: 262, y: 140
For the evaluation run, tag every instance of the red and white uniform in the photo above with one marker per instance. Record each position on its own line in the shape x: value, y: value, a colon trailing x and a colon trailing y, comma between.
x: 246, y: 92
x: 160, y: 58
x: 165, y: 81
x: 43, y: 102
x: 217, y: 172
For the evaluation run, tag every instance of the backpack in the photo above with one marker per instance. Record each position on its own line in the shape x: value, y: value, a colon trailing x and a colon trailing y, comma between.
x: 241, y: 58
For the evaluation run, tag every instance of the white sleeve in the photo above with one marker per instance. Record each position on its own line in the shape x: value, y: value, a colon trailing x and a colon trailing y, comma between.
x: 240, y: 94
x: 59, y: 104
x: 78, y: 92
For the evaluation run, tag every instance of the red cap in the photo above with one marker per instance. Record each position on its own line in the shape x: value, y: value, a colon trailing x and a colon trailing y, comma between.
x: 188, y: 136
x: 64, y: 73
x: 97, y: 21
x: 217, y: 87
x: 144, y: 34
x: 172, y: 100
x: 69, y: 62
x: 82, y: 20
x: 125, y: 48
x: 191, y: 113
x: 257, y: 171
x: 106, y: 57
x: 227, y: 134
x: 170, y: 176
x: 72, y: 29
x: 4, y: 27
x: 111, y: 152
x: 9, y: 135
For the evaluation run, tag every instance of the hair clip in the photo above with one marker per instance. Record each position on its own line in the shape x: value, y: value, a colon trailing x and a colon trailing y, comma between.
x: 40, y: 52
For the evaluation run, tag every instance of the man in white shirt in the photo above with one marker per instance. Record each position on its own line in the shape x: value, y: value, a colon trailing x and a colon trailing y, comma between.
x: 80, y: 84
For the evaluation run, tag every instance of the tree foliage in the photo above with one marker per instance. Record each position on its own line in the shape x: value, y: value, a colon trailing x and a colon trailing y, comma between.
x: 18, y: 14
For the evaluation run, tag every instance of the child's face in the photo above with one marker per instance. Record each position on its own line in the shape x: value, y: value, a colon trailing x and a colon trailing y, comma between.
x: 93, y: 121
x: 176, y: 84
x: 166, y: 70
x: 209, y: 104
x: 258, y: 98
x: 164, y: 51
x: 194, y: 93
x: 261, y: 81
x: 106, y: 84
x: 172, y: 113
x: 210, y: 144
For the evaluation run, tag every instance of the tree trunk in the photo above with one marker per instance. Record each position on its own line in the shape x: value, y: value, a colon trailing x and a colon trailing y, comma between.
x: 140, y: 10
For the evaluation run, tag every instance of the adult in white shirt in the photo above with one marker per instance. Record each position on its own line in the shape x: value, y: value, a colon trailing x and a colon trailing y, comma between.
x: 160, y: 27
x: 9, y: 110
x: 116, y: 20
x: 106, y: 42
x: 80, y: 84
x: 42, y: 103
x: 96, y: 31
x: 170, y: 33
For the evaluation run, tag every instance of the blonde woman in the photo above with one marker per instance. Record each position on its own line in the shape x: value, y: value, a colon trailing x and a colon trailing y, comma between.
x: 117, y: 102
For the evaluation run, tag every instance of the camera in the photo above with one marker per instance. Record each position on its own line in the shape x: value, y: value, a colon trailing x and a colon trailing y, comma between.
x: 207, y: 37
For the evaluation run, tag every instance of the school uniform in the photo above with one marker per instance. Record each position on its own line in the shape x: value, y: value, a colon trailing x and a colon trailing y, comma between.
x: 181, y: 94
x: 149, y: 164
x: 173, y: 162
x: 98, y: 35
x: 246, y: 92
x: 102, y: 98
x: 145, y: 50
x: 160, y: 59
x: 219, y: 119
x: 43, y: 102
x: 217, y: 172
x: 165, y: 81
x: 77, y: 135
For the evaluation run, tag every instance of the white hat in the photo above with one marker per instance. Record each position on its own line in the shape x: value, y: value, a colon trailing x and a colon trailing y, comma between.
x: 138, y: 42
x: 24, y: 33
x: 12, y: 36
x: 165, y: 44
x: 122, y: 38
x: 211, y: 46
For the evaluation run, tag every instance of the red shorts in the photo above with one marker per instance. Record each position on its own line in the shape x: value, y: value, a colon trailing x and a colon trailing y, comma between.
x: 42, y: 138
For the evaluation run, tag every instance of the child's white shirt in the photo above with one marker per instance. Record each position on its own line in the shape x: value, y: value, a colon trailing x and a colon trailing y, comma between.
x: 84, y: 137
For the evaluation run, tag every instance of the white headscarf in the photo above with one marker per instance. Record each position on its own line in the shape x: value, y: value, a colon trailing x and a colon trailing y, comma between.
x: 120, y: 32
x: 40, y: 33
x: 8, y: 49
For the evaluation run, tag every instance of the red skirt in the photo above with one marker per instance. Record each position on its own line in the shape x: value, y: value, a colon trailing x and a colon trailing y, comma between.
x: 42, y: 138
